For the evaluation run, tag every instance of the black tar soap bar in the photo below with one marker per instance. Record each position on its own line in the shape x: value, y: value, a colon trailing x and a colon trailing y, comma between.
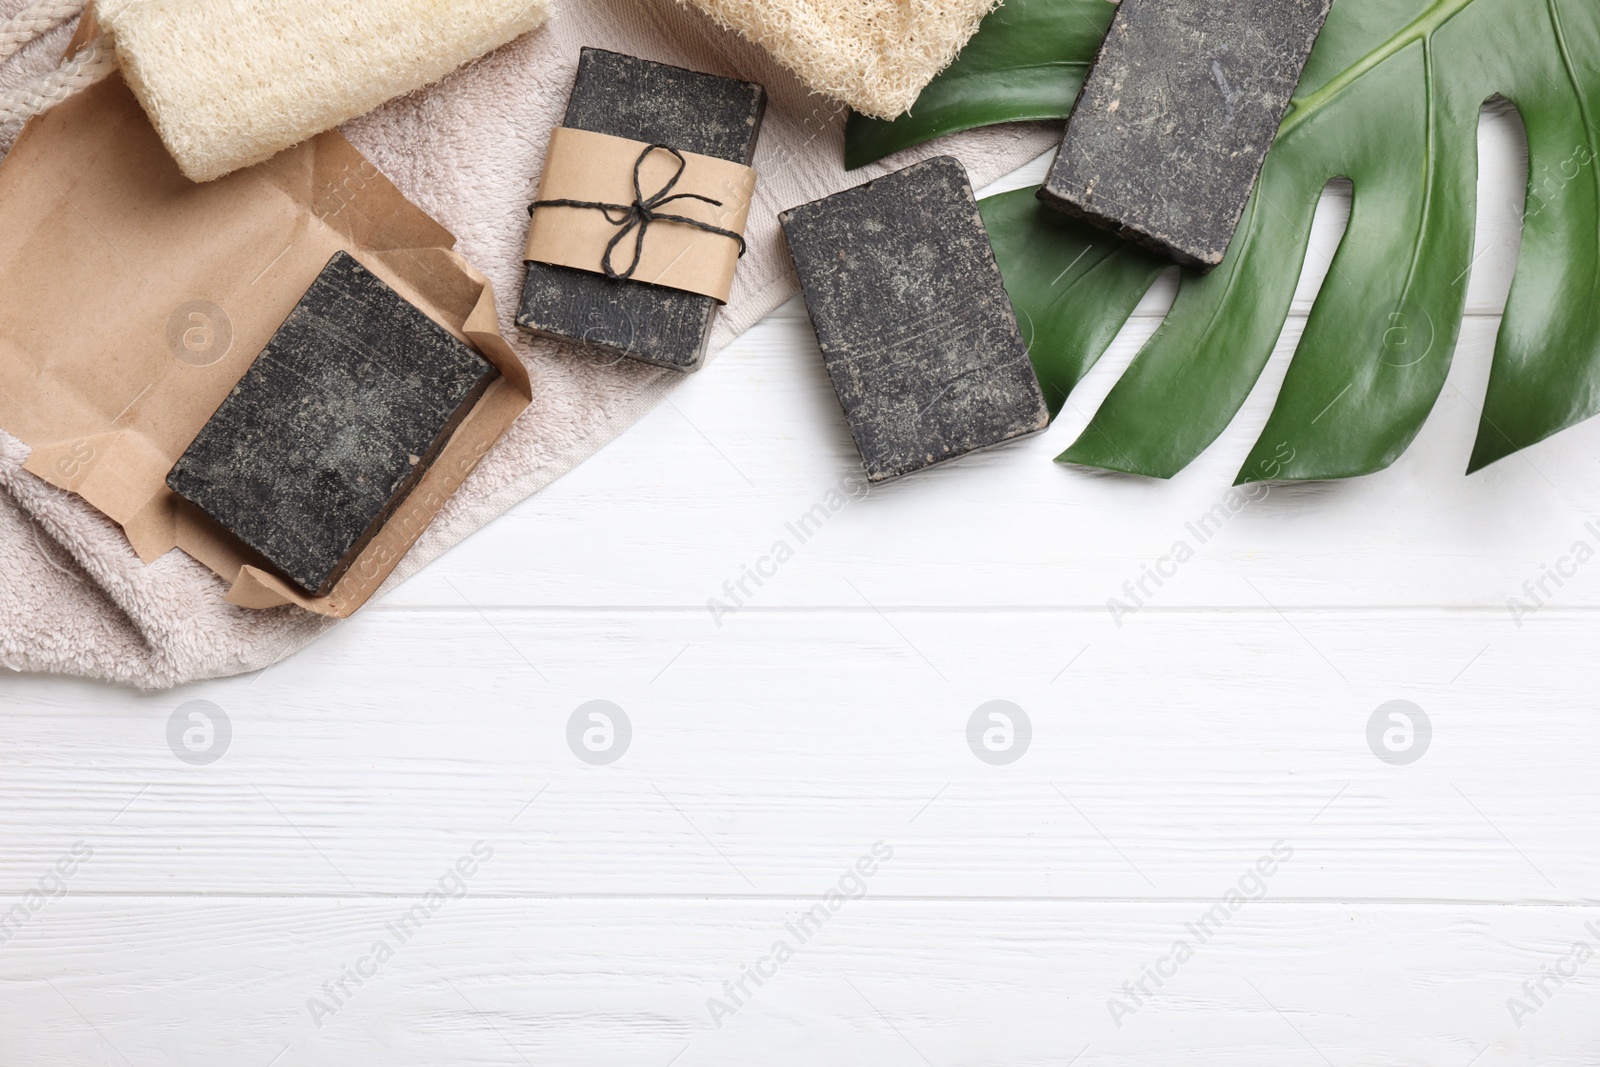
x: 332, y: 426
x: 915, y: 326
x: 657, y: 104
x: 1173, y: 125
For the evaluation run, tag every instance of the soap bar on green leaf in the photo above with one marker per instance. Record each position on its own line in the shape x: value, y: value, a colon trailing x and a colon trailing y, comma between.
x: 1176, y: 117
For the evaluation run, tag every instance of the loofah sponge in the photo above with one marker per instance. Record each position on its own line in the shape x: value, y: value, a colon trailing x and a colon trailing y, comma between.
x: 875, y: 55
x: 229, y: 83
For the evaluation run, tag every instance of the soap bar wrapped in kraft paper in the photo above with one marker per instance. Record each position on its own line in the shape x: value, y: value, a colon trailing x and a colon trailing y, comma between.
x: 639, y: 220
x: 137, y: 303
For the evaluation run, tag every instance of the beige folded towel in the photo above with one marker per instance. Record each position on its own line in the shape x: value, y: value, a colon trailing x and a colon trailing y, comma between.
x: 875, y: 55
x: 229, y: 83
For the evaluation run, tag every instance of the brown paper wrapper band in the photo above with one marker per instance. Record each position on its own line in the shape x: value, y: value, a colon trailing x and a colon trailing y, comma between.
x: 649, y: 213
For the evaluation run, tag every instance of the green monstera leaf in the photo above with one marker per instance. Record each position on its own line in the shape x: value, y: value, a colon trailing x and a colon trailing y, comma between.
x: 1391, y: 101
x: 1055, y: 267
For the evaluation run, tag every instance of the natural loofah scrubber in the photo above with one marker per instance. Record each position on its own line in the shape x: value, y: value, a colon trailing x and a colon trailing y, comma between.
x: 229, y: 83
x: 875, y: 55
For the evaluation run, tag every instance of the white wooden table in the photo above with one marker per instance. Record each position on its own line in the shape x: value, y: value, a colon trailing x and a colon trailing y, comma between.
x: 273, y: 907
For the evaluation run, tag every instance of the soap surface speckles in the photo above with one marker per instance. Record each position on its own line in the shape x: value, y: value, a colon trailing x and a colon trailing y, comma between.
x: 1169, y: 135
x: 332, y: 426
x: 916, y: 329
x: 657, y: 104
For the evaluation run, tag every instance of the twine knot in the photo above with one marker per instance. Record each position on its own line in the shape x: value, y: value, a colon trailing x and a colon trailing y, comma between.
x: 636, y: 218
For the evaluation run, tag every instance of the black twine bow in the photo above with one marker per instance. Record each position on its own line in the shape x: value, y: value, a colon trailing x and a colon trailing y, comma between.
x: 637, y: 216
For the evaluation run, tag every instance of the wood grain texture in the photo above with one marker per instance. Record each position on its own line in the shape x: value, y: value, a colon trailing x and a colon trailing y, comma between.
x: 829, y: 711
x: 883, y: 982
x: 1164, y: 758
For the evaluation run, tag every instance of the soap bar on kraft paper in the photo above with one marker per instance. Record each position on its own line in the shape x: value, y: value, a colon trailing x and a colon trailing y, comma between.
x: 653, y: 103
x: 332, y: 426
x: 916, y: 329
x: 1168, y: 137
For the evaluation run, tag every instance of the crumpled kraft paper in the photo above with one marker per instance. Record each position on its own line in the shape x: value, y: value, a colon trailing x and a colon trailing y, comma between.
x: 136, y: 300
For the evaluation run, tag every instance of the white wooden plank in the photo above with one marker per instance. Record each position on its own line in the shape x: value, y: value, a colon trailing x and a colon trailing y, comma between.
x: 1164, y: 754
x: 905, y: 984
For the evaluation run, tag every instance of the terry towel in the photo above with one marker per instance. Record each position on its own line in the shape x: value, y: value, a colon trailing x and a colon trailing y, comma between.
x: 73, y: 596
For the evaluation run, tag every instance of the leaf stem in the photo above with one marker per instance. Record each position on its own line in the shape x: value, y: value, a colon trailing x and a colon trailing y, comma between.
x: 1420, y: 29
